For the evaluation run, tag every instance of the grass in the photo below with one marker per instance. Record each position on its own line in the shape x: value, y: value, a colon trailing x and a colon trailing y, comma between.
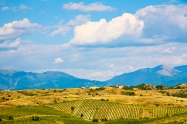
x: 46, y: 114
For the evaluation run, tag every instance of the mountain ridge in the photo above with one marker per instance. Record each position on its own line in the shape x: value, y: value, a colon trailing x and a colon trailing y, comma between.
x: 161, y: 74
x: 49, y: 79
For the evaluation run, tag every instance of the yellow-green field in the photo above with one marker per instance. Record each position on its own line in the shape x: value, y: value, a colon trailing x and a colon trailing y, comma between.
x: 96, y: 105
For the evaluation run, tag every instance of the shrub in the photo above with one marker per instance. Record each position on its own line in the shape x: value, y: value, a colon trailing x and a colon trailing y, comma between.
x: 160, y: 87
x: 141, y: 86
x: 72, y: 108
x: 128, y: 88
x: 95, y: 120
x: 81, y: 114
x: 104, y: 119
x: 10, y: 118
x: 55, y: 101
x: 130, y: 93
x: 1, y: 119
x: 3, y: 98
x: 35, y: 118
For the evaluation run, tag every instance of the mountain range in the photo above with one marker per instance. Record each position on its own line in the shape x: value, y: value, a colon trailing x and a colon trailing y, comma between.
x: 162, y: 74
x: 10, y: 79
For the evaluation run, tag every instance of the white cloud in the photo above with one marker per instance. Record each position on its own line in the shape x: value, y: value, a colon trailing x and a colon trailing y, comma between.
x: 91, y: 63
x: 58, y: 60
x: 169, y: 50
x: 87, y: 8
x: 10, y: 44
x: 62, y: 29
x: 112, y: 65
x: 164, y: 21
x: 184, y: 55
x: 16, y: 29
x: 23, y: 7
x: 150, y: 25
x: 79, y: 20
x: 5, y: 8
x: 104, y: 32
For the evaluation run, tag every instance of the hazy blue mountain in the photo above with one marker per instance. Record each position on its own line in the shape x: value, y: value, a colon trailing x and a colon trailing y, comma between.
x: 161, y: 74
x: 10, y: 79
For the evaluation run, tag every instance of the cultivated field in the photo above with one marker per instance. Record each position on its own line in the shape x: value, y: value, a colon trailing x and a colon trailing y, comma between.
x: 97, y: 105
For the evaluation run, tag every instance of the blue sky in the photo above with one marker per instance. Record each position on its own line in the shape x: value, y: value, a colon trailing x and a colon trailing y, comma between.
x: 92, y: 39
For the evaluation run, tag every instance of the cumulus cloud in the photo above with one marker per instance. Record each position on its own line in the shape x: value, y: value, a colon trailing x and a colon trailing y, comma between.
x: 58, y: 60
x: 87, y: 8
x: 16, y: 29
x: 62, y: 29
x: 5, y: 8
x: 164, y: 21
x: 104, y: 32
x: 150, y: 25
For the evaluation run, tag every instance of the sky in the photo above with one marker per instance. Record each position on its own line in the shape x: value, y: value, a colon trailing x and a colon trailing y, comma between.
x: 92, y: 39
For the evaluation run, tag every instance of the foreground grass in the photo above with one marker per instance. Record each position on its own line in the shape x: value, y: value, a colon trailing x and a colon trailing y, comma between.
x: 46, y: 115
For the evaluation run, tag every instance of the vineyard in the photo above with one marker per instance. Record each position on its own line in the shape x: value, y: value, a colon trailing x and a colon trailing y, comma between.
x: 103, y: 110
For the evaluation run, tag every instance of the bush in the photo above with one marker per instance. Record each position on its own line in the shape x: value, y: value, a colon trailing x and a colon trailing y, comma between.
x: 81, y: 114
x: 35, y: 118
x: 3, y: 98
x: 160, y: 87
x: 128, y: 87
x: 95, y: 120
x: 141, y: 86
x: 72, y: 108
x: 130, y: 93
x: 104, y: 119
x: 10, y: 118
x: 1, y: 119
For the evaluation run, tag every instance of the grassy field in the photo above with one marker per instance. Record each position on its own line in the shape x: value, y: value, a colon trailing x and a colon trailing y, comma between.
x: 102, y: 105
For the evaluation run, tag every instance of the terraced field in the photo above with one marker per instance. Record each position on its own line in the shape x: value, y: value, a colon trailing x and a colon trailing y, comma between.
x: 90, y: 109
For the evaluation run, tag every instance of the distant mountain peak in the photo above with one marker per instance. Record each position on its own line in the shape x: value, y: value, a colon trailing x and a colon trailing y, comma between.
x: 166, y: 70
x: 162, y: 66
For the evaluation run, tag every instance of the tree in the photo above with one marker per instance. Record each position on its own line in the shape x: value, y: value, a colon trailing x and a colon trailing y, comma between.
x: 160, y: 87
x: 72, y: 108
